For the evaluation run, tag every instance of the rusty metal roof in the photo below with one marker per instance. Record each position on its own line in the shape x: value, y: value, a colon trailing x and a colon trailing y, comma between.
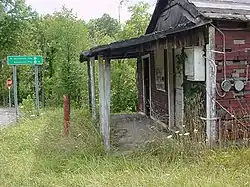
x: 224, y: 9
x: 186, y: 14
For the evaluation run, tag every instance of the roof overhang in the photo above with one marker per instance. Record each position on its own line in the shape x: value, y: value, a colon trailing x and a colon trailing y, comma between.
x: 127, y: 48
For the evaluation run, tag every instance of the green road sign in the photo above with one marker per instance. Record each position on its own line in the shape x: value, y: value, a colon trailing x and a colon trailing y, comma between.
x: 24, y: 60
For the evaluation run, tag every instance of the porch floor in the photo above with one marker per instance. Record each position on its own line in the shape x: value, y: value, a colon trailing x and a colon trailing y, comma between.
x: 132, y: 131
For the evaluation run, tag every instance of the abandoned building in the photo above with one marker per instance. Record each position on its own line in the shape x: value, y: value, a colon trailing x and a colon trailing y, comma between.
x: 190, y: 48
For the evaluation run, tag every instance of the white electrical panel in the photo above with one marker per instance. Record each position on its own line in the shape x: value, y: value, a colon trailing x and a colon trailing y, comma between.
x: 195, y: 64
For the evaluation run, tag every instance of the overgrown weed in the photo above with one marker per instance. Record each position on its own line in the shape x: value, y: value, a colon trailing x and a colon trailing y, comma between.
x: 36, y: 153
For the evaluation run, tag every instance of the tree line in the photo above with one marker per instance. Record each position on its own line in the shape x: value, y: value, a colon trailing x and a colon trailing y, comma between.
x: 59, y: 38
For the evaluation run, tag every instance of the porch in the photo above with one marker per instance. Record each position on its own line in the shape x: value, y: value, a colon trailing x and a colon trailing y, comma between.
x: 166, y: 109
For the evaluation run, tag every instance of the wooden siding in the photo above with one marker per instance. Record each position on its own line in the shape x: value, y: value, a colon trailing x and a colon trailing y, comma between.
x: 237, y: 61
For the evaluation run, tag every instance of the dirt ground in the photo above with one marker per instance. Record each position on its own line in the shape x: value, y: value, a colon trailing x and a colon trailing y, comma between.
x: 132, y: 131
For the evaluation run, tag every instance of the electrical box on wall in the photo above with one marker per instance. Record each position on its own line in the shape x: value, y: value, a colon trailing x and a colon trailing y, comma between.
x: 195, y: 63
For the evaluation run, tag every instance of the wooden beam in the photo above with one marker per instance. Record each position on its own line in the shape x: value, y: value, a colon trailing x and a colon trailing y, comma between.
x: 171, y: 102
x: 92, y: 87
x: 179, y: 92
x: 89, y: 85
x: 211, y: 90
x: 101, y: 95
x: 107, y: 104
x: 104, y: 98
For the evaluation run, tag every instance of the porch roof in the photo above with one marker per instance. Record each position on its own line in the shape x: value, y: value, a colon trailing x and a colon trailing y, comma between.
x: 127, y: 48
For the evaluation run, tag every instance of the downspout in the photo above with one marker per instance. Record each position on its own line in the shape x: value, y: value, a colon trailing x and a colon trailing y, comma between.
x: 224, y: 59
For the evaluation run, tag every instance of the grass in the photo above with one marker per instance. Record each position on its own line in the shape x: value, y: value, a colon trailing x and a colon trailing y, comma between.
x: 35, y: 153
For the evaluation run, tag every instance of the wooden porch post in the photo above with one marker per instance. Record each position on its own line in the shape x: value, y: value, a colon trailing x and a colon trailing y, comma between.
x: 211, y: 90
x: 92, y: 87
x: 101, y: 93
x: 104, y: 98
x: 107, y: 105
x: 89, y: 85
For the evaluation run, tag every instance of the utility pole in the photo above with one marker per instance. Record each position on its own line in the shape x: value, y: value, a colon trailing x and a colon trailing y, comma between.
x: 119, y: 8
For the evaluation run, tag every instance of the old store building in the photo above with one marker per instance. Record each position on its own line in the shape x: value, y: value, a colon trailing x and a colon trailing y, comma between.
x: 190, y: 48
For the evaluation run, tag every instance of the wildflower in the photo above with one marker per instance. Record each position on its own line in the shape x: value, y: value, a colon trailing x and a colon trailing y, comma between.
x: 183, y: 126
x: 79, y: 134
x: 180, y: 134
x: 177, y: 132
x: 33, y: 115
x: 195, y: 130
x: 170, y: 136
x: 187, y: 134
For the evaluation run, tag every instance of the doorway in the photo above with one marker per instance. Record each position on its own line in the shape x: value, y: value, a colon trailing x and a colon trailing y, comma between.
x: 146, y: 84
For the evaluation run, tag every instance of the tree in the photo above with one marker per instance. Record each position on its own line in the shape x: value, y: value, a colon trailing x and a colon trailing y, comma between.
x: 138, y: 22
x: 103, y: 30
x: 67, y: 37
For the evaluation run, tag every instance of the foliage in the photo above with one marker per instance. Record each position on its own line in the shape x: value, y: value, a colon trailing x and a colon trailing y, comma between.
x: 28, y: 105
x: 59, y: 38
x: 35, y: 153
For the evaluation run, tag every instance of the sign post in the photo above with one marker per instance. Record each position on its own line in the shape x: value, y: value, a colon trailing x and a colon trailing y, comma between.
x: 15, y: 91
x: 9, y: 85
x: 25, y: 60
x: 37, y: 89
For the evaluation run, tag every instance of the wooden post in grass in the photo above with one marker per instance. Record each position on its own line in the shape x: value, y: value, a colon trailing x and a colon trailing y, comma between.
x: 66, y: 104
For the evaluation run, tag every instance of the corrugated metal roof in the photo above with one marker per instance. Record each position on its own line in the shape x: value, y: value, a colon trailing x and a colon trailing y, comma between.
x: 225, y: 9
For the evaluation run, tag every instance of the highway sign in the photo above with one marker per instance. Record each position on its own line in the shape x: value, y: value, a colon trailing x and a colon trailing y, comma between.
x: 24, y: 60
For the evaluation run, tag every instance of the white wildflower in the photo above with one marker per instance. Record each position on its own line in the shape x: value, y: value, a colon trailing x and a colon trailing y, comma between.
x: 180, y: 134
x: 187, y: 134
x: 79, y: 134
x: 183, y: 126
x: 170, y: 136
x: 33, y: 115
x: 177, y: 132
x: 195, y: 130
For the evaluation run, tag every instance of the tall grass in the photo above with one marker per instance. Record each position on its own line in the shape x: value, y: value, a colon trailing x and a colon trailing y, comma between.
x: 35, y: 153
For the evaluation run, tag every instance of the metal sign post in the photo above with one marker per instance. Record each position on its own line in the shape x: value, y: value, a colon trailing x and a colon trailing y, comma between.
x: 9, y: 98
x: 15, y: 91
x: 37, y: 89
x: 9, y: 85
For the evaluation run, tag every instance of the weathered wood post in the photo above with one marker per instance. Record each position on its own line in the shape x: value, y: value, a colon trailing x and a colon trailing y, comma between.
x: 170, y: 83
x: 104, y: 98
x: 101, y: 94
x: 211, y: 90
x: 89, y: 86
x: 107, y: 105
x: 92, y: 87
x: 66, y: 103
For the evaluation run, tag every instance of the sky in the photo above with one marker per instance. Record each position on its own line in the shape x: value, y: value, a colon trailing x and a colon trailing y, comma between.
x: 85, y: 9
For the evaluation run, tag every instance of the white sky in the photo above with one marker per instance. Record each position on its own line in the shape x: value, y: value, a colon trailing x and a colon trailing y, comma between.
x: 85, y: 9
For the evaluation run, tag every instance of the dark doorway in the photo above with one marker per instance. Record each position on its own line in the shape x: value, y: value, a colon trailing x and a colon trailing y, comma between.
x: 146, y: 70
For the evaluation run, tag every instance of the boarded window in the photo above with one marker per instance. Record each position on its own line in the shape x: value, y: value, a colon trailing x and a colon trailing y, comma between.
x: 160, y: 69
